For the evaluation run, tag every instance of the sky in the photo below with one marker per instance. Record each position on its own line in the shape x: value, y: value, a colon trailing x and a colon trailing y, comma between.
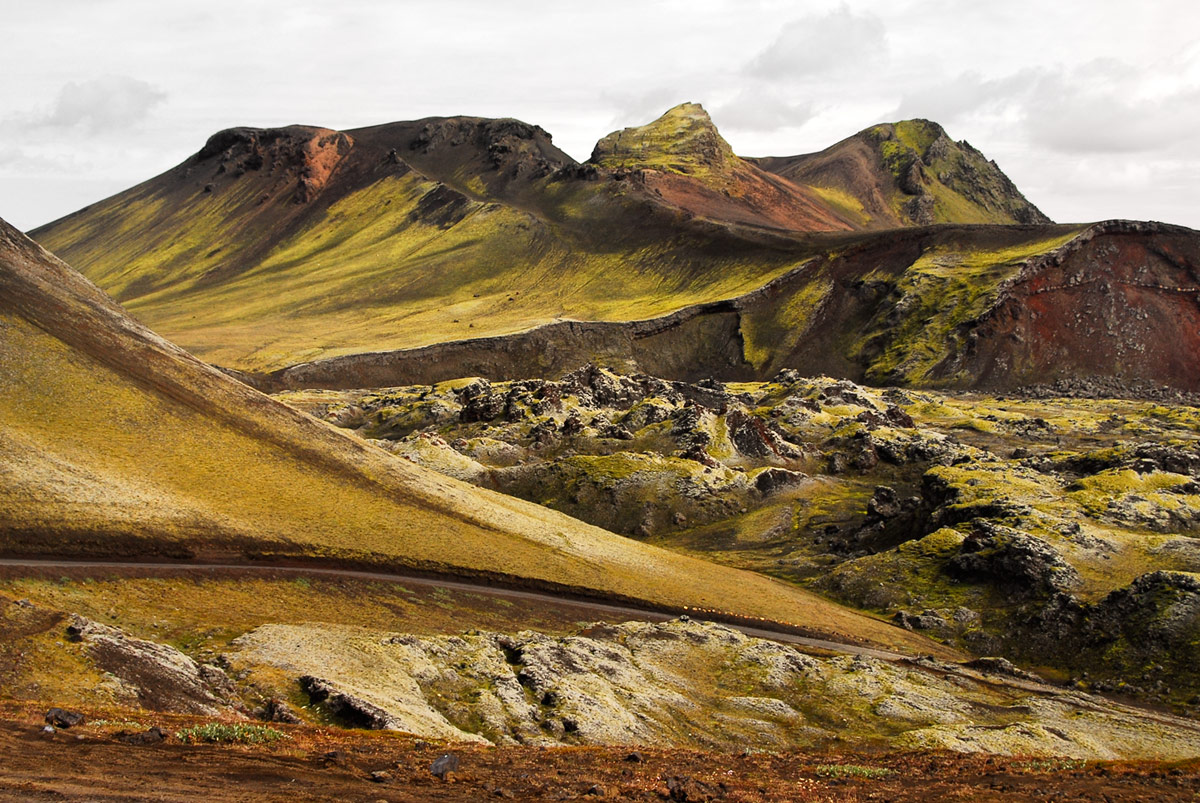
x: 1091, y: 106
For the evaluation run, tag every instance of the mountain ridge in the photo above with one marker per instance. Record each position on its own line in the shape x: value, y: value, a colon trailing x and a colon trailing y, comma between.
x: 273, y: 247
x: 911, y: 173
x: 278, y: 254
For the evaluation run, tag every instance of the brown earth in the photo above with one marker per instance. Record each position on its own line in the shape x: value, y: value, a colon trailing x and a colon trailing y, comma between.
x: 91, y: 763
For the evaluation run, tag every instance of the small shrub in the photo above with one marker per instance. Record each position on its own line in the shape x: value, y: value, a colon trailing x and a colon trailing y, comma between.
x: 221, y: 732
x: 852, y: 771
x: 1052, y: 765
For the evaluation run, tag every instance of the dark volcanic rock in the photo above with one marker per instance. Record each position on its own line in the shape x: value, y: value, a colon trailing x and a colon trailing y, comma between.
x: 349, y: 707
x: 1006, y: 557
x: 154, y: 735
x: 689, y: 790
x: 772, y: 479
x: 276, y: 711
x: 479, y: 403
x: 444, y: 765
x: 60, y: 718
x: 1163, y: 606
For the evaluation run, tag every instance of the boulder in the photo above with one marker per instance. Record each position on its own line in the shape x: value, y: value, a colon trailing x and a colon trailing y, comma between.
x: 443, y: 765
x: 154, y: 735
x: 160, y: 677
x: 1012, y: 559
x: 60, y: 718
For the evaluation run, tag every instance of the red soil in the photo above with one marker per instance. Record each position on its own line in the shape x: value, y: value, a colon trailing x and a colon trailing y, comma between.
x: 90, y: 763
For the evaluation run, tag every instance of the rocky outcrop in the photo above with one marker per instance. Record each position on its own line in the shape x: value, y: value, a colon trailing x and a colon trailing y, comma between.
x: 692, y: 683
x: 1011, y: 559
x: 1138, y: 640
x: 580, y: 444
x: 683, y: 139
x: 156, y: 676
x: 305, y: 154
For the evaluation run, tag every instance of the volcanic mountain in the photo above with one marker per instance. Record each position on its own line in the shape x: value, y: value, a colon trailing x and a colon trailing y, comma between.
x: 114, y: 442
x: 427, y: 250
x: 908, y: 173
x: 273, y: 247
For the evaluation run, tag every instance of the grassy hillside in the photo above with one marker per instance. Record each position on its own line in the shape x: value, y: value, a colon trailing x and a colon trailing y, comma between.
x: 275, y: 247
x: 113, y: 441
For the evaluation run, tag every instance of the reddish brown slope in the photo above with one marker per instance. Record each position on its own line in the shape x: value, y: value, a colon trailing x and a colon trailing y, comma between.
x: 1122, y: 300
x: 682, y: 162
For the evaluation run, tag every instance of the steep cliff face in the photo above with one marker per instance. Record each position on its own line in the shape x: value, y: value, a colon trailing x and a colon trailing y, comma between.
x: 1121, y: 300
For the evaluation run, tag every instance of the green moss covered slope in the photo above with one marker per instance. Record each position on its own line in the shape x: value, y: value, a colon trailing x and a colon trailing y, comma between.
x: 273, y: 247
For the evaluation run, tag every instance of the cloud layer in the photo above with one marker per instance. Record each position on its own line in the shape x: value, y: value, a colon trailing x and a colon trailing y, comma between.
x: 1089, y: 111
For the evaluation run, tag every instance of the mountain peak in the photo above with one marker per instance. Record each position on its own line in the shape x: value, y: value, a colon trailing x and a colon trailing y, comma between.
x: 906, y: 173
x: 928, y: 166
x: 307, y: 153
x: 682, y: 140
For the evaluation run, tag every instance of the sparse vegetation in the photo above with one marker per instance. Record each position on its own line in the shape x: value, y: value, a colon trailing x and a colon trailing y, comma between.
x: 225, y: 732
x: 852, y: 771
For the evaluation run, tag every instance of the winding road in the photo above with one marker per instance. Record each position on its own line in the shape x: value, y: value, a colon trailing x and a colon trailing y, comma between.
x: 606, y: 609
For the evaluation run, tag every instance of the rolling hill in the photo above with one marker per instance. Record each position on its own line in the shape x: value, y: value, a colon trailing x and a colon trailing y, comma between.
x: 113, y: 442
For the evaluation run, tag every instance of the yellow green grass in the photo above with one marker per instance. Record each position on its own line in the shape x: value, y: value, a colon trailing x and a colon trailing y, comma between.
x: 940, y: 291
x: 115, y: 440
x: 362, y: 275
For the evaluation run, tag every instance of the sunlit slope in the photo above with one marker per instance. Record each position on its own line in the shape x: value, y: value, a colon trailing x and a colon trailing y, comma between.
x: 114, y: 442
x: 272, y: 247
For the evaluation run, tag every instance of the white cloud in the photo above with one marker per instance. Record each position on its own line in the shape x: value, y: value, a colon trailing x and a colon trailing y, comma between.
x: 779, y: 76
x: 966, y: 94
x: 840, y: 41
x: 759, y: 109
x: 1103, y: 107
x: 109, y: 103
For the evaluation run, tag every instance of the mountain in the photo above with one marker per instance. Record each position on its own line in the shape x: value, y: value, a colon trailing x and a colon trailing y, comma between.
x: 682, y: 161
x: 908, y: 173
x: 115, y: 443
x: 274, y: 247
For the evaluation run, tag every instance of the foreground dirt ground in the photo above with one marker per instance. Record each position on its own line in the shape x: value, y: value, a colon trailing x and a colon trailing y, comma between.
x: 90, y: 762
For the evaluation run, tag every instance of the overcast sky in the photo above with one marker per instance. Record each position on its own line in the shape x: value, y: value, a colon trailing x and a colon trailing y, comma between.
x: 1091, y: 106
